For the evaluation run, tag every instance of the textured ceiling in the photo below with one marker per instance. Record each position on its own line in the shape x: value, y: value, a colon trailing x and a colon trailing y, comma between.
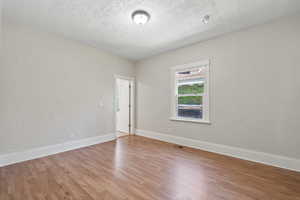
x: 107, y: 24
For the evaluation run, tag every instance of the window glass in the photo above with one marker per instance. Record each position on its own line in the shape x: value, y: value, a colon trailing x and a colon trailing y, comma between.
x: 190, y: 92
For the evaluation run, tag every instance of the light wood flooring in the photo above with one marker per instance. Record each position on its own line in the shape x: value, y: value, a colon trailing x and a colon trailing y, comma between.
x: 137, y: 168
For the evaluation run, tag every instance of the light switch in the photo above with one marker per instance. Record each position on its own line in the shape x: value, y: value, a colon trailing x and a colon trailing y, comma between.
x: 101, y: 104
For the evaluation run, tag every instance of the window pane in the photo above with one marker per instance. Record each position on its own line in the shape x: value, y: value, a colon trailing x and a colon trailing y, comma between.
x: 191, y: 89
x: 190, y: 106
x: 190, y: 112
x: 190, y: 100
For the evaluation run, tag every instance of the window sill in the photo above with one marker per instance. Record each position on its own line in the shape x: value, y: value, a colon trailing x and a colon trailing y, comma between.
x: 190, y: 120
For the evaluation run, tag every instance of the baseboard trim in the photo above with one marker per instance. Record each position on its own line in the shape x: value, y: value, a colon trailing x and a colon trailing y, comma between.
x: 13, y: 158
x: 245, y: 154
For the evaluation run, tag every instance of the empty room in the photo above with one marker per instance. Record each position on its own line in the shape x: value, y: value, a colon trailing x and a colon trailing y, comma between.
x: 149, y: 100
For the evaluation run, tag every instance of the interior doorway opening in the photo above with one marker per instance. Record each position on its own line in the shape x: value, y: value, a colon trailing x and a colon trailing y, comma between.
x: 124, y: 94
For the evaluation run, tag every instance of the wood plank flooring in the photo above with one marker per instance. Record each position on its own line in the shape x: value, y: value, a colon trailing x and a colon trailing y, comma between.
x: 137, y: 168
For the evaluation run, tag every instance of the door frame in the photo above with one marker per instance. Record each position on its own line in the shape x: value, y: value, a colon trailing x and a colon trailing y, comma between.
x: 132, y: 103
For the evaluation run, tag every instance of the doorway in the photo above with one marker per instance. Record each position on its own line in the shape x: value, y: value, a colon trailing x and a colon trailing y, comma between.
x: 124, y: 94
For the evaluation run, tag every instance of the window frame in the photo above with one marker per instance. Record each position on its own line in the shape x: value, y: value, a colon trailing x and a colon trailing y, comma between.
x: 206, y: 95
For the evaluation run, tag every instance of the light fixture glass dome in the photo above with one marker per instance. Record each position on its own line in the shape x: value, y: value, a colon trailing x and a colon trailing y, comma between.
x: 140, y: 17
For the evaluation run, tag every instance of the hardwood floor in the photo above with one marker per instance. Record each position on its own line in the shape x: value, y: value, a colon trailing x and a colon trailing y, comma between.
x: 135, y: 167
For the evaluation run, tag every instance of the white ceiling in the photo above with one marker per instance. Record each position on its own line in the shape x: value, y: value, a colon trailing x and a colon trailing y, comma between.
x: 107, y: 24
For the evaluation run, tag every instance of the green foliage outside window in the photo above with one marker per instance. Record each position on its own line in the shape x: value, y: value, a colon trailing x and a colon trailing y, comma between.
x: 190, y: 100
x: 191, y: 89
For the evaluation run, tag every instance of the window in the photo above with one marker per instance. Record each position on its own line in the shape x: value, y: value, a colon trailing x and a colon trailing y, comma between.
x: 190, y: 100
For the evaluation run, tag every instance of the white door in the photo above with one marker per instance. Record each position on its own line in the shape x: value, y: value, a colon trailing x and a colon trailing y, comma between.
x: 123, y: 114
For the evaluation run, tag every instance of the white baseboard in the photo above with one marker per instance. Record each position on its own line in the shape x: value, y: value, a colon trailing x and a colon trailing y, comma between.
x: 260, y: 157
x: 121, y: 134
x: 12, y: 158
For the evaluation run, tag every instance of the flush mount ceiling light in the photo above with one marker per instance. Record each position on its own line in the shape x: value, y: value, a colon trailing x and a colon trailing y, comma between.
x: 140, y: 17
x: 206, y: 19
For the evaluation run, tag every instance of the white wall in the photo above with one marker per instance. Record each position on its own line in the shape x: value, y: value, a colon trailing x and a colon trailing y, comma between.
x: 255, y: 89
x: 51, y: 89
x: 1, y: 12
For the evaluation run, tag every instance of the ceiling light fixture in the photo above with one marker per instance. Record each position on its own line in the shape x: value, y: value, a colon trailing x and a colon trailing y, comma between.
x: 206, y: 19
x: 140, y: 17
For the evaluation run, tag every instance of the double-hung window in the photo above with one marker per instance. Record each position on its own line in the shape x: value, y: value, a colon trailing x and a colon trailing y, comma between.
x: 190, y: 98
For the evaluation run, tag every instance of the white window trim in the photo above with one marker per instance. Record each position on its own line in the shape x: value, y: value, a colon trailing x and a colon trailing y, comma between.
x: 206, y: 102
